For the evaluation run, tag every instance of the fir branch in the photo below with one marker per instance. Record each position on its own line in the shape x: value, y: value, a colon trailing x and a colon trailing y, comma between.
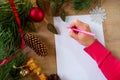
x: 9, y: 73
x: 10, y: 39
x: 8, y: 20
x: 41, y: 4
x: 56, y: 5
x: 81, y: 4
x: 7, y: 44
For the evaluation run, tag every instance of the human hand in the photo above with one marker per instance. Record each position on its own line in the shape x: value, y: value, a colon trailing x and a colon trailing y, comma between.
x: 82, y: 38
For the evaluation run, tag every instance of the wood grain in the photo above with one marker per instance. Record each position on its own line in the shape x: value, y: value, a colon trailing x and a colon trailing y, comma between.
x: 112, y: 26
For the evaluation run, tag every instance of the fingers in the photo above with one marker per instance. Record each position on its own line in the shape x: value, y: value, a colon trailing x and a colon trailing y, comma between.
x: 76, y: 24
x: 79, y: 24
x: 81, y: 37
x: 73, y: 34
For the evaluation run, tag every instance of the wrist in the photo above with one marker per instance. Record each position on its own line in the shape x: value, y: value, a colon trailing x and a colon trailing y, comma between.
x: 90, y: 42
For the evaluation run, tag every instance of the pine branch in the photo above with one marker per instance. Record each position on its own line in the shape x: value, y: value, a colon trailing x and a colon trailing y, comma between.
x: 10, y: 39
x: 84, y: 4
x: 81, y: 4
x: 8, y: 72
x: 8, y: 22
x: 55, y: 6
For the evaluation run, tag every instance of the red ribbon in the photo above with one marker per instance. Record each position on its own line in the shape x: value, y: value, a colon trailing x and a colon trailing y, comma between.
x: 20, y: 31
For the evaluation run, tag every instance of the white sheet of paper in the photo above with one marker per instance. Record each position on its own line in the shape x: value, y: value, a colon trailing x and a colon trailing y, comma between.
x: 73, y: 63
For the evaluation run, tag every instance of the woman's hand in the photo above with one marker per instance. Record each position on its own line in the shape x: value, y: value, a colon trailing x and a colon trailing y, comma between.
x: 82, y: 38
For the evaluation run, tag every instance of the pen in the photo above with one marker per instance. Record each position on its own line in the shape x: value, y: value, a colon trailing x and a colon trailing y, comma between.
x: 82, y: 31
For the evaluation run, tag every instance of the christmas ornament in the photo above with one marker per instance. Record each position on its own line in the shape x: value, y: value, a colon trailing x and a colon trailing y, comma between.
x: 42, y: 76
x: 33, y: 66
x: 34, y: 42
x: 98, y: 15
x: 36, y: 14
x: 24, y: 72
x: 35, y: 69
x: 30, y: 66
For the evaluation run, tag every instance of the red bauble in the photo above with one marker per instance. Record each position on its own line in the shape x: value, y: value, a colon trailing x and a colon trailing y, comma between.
x: 36, y: 14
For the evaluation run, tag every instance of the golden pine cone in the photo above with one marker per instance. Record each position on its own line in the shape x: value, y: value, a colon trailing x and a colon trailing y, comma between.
x: 34, y: 42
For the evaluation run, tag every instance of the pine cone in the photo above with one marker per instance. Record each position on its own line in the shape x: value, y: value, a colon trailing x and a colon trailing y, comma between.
x: 34, y: 42
x: 53, y: 77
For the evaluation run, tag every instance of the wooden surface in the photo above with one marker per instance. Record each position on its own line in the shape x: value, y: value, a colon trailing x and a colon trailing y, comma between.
x: 111, y: 28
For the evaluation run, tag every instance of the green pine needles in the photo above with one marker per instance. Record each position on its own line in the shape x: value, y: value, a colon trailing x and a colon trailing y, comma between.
x: 81, y: 4
x: 10, y: 40
x: 85, y: 4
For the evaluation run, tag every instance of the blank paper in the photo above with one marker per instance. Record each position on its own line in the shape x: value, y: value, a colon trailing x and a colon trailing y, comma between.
x: 73, y: 63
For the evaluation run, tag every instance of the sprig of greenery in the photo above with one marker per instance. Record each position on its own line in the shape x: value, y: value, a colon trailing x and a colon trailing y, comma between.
x: 10, y: 39
x: 81, y: 4
x: 84, y: 4
x: 7, y: 72
x: 55, y: 6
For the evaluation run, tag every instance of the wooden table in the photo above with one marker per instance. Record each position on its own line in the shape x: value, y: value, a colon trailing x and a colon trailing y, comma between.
x: 111, y: 28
